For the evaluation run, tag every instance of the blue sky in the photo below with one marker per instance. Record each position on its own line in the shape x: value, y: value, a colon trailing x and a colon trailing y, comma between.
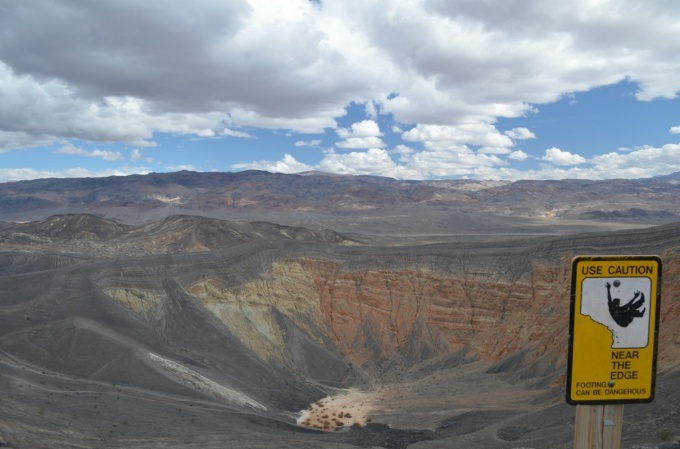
x: 422, y: 89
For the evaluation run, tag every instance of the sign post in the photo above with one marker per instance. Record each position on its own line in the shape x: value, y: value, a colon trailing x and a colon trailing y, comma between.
x: 613, y: 330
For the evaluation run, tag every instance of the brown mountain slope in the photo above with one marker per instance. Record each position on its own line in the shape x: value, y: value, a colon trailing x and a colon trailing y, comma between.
x: 84, y: 233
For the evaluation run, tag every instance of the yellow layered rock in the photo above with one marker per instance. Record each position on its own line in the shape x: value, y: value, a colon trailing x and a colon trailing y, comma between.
x: 138, y: 300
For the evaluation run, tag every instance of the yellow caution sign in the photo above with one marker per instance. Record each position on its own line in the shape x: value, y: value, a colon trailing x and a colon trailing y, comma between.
x: 613, y: 329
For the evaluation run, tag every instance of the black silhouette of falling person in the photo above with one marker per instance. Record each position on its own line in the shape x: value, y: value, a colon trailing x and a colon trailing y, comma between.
x: 624, y: 315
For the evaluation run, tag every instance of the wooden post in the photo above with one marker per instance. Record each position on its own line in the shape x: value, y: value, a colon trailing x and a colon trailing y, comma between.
x: 598, y: 427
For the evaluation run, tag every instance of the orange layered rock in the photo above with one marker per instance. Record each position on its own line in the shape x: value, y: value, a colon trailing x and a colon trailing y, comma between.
x: 669, y: 318
x: 371, y: 316
x: 377, y: 314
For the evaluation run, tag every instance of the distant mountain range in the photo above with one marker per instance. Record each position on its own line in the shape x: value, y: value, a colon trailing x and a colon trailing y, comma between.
x: 363, y: 204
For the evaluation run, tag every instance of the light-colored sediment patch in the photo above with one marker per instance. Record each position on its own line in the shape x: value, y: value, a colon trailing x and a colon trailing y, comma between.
x: 335, y: 413
x: 137, y: 300
x: 422, y: 404
x: 166, y: 200
x: 201, y: 383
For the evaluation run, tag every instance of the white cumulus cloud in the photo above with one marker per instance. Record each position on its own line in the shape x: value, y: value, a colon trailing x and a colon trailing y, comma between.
x: 136, y: 156
x: 518, y: 155
x: 234, y: 133
x: 308, y: 143
x: 441, y: 136
x: 363, y: 134
x: 559, y: 157
x: 375, y: 161
x: 287, y: 165
x: 403, y: 149
x: 520, y: 134
x: 364, y: 128
x: 106, y: 155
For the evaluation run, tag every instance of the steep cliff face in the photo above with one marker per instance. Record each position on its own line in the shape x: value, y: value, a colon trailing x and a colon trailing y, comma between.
x: 372, y: 316
x: 669, y: 318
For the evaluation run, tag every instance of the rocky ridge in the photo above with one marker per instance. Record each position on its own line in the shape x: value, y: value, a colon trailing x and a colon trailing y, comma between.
x: 89, y: 234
